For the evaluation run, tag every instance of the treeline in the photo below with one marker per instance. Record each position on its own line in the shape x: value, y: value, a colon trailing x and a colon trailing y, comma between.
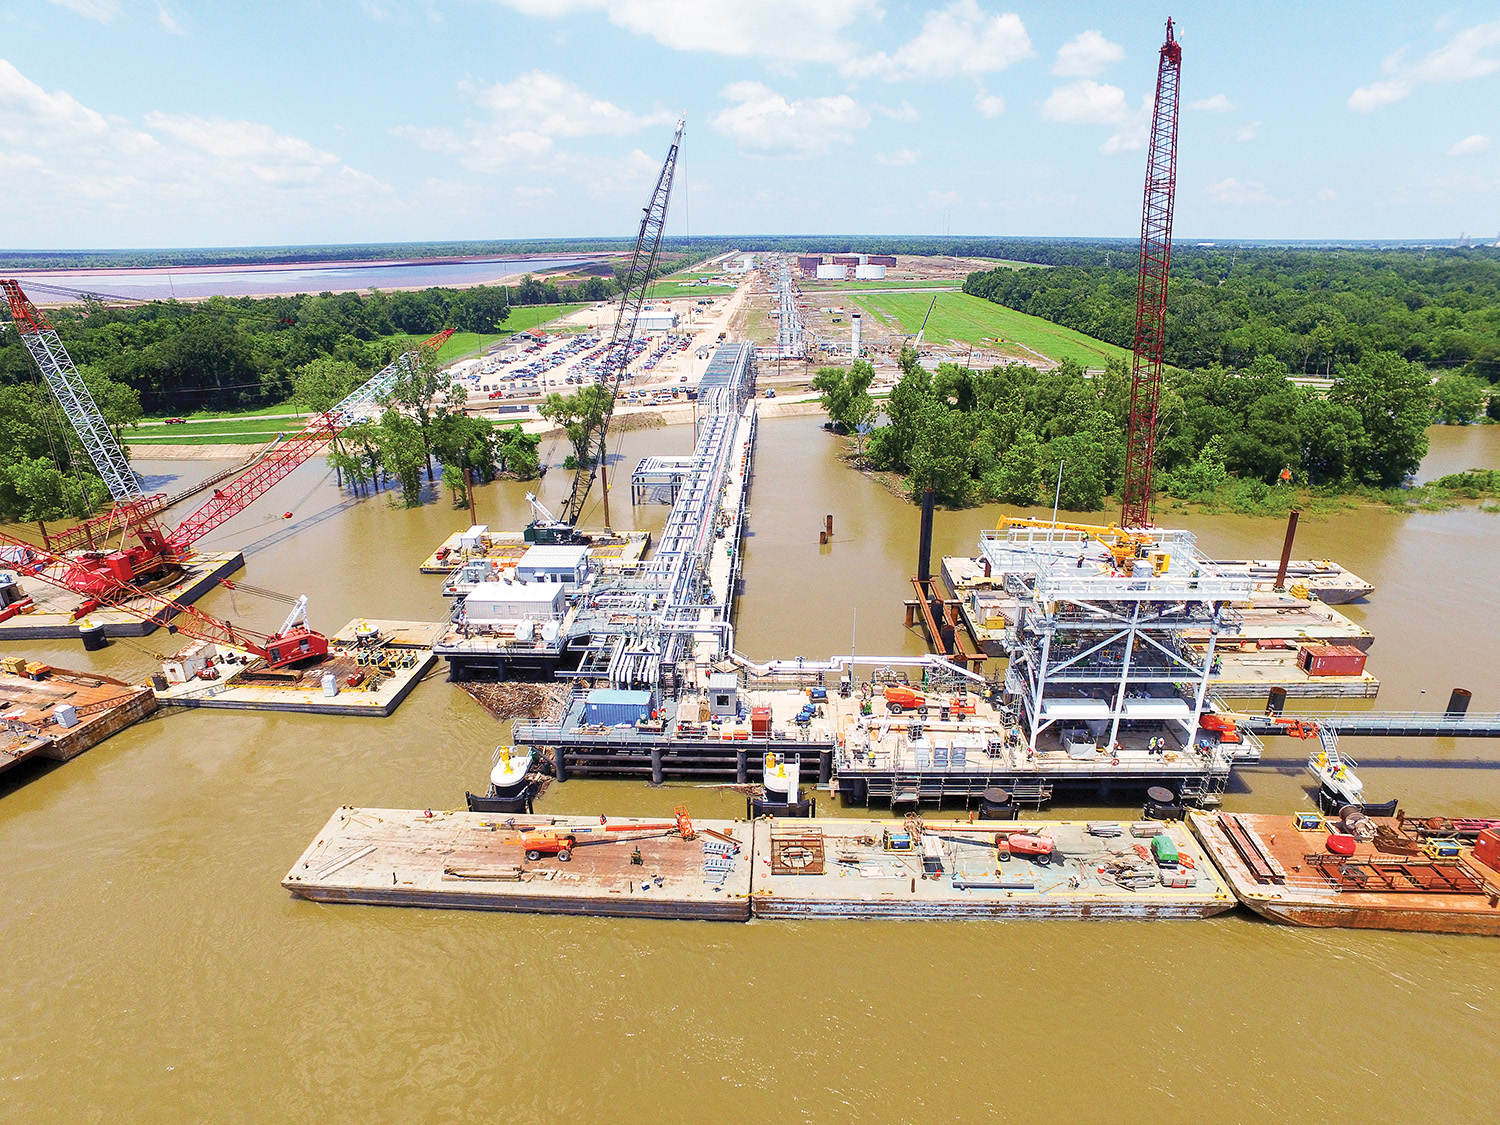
x: 243, y: 353
x: 1311, y: 310
x: 999, y: 435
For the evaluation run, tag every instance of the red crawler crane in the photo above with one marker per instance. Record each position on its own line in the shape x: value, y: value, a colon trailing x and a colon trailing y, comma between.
x: 111, y: 578
x: 1151, y: 290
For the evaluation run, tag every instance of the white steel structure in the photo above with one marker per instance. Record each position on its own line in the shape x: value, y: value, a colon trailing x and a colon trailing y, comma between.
x: 1098, y: 663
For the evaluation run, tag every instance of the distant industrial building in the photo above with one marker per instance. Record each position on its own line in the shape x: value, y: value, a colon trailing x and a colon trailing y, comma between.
x: 880, y: 259
x: 809, y: 264
x: 847, y: 260
x: 656, y: 320
x: 743, y: 264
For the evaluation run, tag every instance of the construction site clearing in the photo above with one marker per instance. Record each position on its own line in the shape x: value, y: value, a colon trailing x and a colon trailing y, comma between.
x: 370, y: 668
x: 57, y: 714
x: 608, y: 550
x: 734, y: 870
x: 54, y: 612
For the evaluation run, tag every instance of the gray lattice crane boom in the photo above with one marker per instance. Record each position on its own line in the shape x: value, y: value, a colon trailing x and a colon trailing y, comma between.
x: 72, y: 394
x: 637, y: 281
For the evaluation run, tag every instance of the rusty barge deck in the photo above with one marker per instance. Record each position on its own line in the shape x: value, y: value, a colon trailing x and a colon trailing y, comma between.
x: 1287, y: 874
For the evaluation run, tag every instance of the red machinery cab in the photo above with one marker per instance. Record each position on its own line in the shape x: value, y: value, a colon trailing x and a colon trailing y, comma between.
x: 298, y: 644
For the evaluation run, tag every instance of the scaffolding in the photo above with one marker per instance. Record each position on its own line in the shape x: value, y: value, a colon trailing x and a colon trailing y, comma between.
x: 1098, y: 661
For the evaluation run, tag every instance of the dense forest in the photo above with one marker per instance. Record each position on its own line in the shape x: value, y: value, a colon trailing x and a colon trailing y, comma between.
x: 999, y: 435
x: 1310, y: 310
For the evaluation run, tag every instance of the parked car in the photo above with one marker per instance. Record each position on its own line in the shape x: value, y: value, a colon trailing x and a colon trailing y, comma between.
x: 175, y: 421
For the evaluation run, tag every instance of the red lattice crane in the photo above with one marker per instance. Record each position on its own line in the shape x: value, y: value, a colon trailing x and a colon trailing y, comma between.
x: 80, y: 559
x: 1151, y: 290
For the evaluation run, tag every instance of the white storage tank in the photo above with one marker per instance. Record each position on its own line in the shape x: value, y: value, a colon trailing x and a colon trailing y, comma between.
x: 832, y: 273
x: 869, y: 273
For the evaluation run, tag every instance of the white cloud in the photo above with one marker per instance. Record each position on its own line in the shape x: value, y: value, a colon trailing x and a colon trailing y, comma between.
x: 988, y: 105
x: 786, y: 30
x: 1462, y: 58
x: 1237, y: 193
x: 1369, y: 98
x: 899, y: 159
x: 960, y: 39
x: 761, y: 120
x: 1327, y: 195
x: 1087, y: 56
x: 1470, y: 146
x: 1087, y: 102
x: 554, y: 107
x: 101, y: 10
x: 169, y: 22
x: 1247, y: 132
x: 226, y: 177
x: 906, y: 113
x: 1216, y: 104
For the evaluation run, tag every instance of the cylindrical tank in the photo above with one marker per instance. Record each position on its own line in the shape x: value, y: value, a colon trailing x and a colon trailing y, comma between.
x: 996, y: 804
x: 1458, y: 702
x: 1276, y: 701
x: 93, y: 637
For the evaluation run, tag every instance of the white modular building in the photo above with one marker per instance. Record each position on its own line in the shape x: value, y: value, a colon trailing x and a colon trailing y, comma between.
x: 566, y: 565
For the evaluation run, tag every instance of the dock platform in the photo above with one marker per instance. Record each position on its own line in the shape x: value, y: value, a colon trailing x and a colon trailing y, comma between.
x: 53, y: 619
x: 956, y: 875
x: 474, y: 861
x: 404, y: 657
x: 607, y: 550
x: 31, y: 727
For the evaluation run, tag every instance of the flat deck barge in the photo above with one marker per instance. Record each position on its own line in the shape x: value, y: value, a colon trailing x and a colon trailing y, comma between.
x: 476, y: 861
x: 52, y: 618
x: 34, y: 709
x: 1282, y: 868
x: 839, y: 868
x: 370, y: 680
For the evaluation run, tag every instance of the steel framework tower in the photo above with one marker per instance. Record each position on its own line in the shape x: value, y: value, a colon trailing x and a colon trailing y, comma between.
x: 1151, y: 289
x: 617, y: 355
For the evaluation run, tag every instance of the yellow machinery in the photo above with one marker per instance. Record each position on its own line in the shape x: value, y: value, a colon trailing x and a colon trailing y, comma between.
x: 1122, y: 545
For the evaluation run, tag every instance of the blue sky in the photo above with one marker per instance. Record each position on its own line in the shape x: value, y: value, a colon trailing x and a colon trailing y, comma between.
x: 226, y: 122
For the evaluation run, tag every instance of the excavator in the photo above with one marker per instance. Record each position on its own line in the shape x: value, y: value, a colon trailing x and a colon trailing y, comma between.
x: 562, y: 839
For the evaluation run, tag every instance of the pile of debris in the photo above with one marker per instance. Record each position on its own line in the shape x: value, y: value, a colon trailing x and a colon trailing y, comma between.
x: 520, y: 700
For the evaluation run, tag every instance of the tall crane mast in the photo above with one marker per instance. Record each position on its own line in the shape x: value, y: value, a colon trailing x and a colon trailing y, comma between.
x: 41, y: 340
x: 1151, y: 289
x: 617, y: 355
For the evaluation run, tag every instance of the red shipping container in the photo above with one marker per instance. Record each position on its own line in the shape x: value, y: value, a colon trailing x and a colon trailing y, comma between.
x: 1487, y: 848
x: 760, y: 722
x: 1331, y: 660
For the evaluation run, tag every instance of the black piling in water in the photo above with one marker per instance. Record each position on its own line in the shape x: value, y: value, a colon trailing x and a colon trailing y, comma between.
x: 658, y: 776
x: 1286, y: 549
x: 1276, y: 701
x: 741, y: 767
x: 825, y: 767
x: 560, y: 762
x: 1458, y: 702
x: 924, y: 547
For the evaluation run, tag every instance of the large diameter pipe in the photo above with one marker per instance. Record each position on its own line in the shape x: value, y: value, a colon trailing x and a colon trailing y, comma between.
x: 924, y: 545
x: 1286, y: 549
x: 1458, y: 702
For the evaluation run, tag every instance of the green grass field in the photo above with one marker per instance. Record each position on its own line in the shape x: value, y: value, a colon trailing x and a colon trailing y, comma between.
x: 669, y: 287
x: 973, y: 320
x: 811, y: 286
x: 240, y: 430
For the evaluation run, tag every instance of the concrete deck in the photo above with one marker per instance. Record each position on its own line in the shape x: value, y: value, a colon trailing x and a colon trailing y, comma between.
x: 507, y: 547
x: 53, y: 617
x: 396, y: 857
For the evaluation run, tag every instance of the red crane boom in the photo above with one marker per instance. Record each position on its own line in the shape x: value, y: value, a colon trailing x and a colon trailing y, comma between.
x: 1151, y: 290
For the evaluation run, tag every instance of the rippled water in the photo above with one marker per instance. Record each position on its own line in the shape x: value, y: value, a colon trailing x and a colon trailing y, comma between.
x: 155, y: 970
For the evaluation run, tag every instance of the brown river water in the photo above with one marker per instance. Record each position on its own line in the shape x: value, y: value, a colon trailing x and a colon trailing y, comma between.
x: 153, y: 969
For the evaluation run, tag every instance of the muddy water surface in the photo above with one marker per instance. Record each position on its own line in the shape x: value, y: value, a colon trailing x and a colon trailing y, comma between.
x: 153, y: 969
